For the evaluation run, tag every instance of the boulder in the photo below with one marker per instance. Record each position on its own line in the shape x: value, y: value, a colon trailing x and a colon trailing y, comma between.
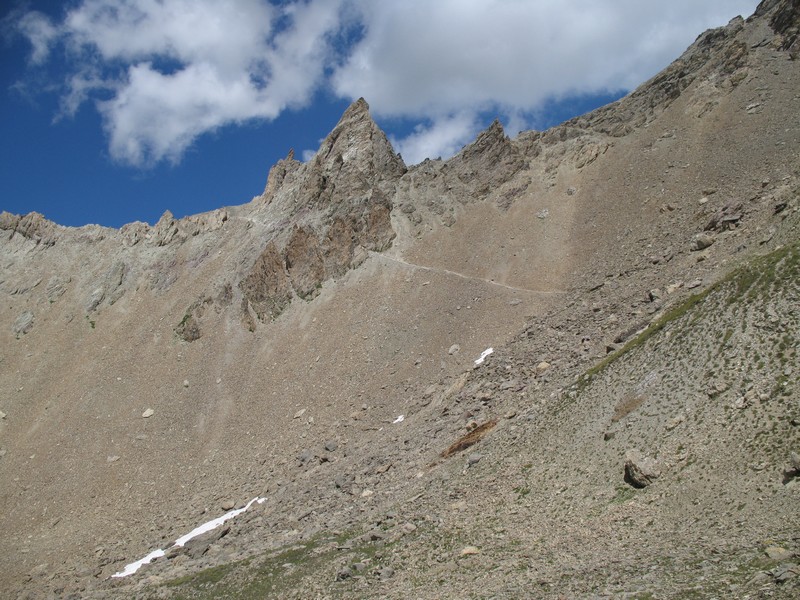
x: 23, y: 323
x: 640, y: 470
x: 702, y: 241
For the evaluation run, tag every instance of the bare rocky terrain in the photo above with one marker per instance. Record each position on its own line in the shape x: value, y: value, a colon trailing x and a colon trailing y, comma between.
x: 634, y: 434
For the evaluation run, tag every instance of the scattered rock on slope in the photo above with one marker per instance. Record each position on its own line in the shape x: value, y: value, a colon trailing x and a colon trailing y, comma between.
x: 23, y: 323
x: 640, y: 471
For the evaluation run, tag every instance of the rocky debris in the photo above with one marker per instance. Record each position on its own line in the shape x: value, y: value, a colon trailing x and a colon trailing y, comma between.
x: 344, y: 482
x: 114, y: 280
x: 32, y: 226
x: 189, y: 327
x: 778, y: 553
x: 453, y: 349
x: 695, y: 283
x: 23, y: 323
x: 55, y: 288
x: 590, y: 152
x: 674, y: 422
x: 344, y: 574
x: 702, y: 241
x: 95, y: 298
x: 793, y: 470
x: 640, y: 471
x: 785, y: 572
x: 726, y: 218
x: 542, y: 368
x: 307, y: 457
x: 717, y: 54
x: 198, y: 546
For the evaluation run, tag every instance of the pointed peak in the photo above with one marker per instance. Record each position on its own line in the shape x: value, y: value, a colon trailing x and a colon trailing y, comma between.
x: 491, y: 140
x: 495, y: 130
x: 358, y: 142
x: 357, y: 115
x: 359, y: 106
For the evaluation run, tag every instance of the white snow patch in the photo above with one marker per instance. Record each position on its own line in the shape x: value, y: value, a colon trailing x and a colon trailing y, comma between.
x: 181, y: 541
x: 483, y: 356
x: 134, y: 566
x: 399, y: 419
x: 214, y: 523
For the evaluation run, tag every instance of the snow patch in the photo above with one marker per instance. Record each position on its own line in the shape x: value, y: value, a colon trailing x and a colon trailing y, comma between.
x: 483, y: 355
x: 399, y: 419
x: 134, y: 566
x: 181, y: 541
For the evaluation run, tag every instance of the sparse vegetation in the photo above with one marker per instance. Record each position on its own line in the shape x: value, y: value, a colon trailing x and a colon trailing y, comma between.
x: 303, y: 410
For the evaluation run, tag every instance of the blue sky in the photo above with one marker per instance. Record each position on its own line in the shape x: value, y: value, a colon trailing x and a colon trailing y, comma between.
x: 117, y: 110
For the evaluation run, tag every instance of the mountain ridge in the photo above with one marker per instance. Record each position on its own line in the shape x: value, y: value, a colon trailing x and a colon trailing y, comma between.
x: 273, y: 346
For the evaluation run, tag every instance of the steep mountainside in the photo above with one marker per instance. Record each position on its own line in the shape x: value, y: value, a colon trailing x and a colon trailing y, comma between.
x: 634, y: 434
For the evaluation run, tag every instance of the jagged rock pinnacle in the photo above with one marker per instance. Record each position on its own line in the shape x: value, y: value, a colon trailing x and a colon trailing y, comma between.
x: 359, y: 141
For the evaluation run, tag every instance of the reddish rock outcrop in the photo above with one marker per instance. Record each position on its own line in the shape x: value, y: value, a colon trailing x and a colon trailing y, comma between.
x: 267, y: 287
x: 304, y: 262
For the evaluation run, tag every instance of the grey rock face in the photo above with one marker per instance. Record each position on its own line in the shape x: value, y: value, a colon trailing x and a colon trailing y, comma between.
x: 640, y: 471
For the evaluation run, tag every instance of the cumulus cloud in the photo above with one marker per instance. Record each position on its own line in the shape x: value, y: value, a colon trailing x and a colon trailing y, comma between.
x: 419, y: 57
x: 163, y: 72
x: 435, y: 60
x: 171, y: 70
x: 443, y: 137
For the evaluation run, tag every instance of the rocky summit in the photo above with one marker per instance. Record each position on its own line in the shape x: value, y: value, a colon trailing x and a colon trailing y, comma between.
x: 563, y: 365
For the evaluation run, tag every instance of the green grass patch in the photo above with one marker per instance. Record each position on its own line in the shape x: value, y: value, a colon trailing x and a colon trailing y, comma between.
x: 748, y: 282
x: 623, y: 494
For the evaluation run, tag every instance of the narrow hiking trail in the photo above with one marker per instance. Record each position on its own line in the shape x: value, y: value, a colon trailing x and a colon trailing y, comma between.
x: 463, y: 276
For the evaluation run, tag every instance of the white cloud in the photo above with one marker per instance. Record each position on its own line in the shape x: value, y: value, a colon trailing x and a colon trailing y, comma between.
x: 163, y: 72
x: 434, y: 60
x: 444, y: 137
x: 419, y: 57
x: 40, y: 31
x: 226, y: 33
x: 176, y: 69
